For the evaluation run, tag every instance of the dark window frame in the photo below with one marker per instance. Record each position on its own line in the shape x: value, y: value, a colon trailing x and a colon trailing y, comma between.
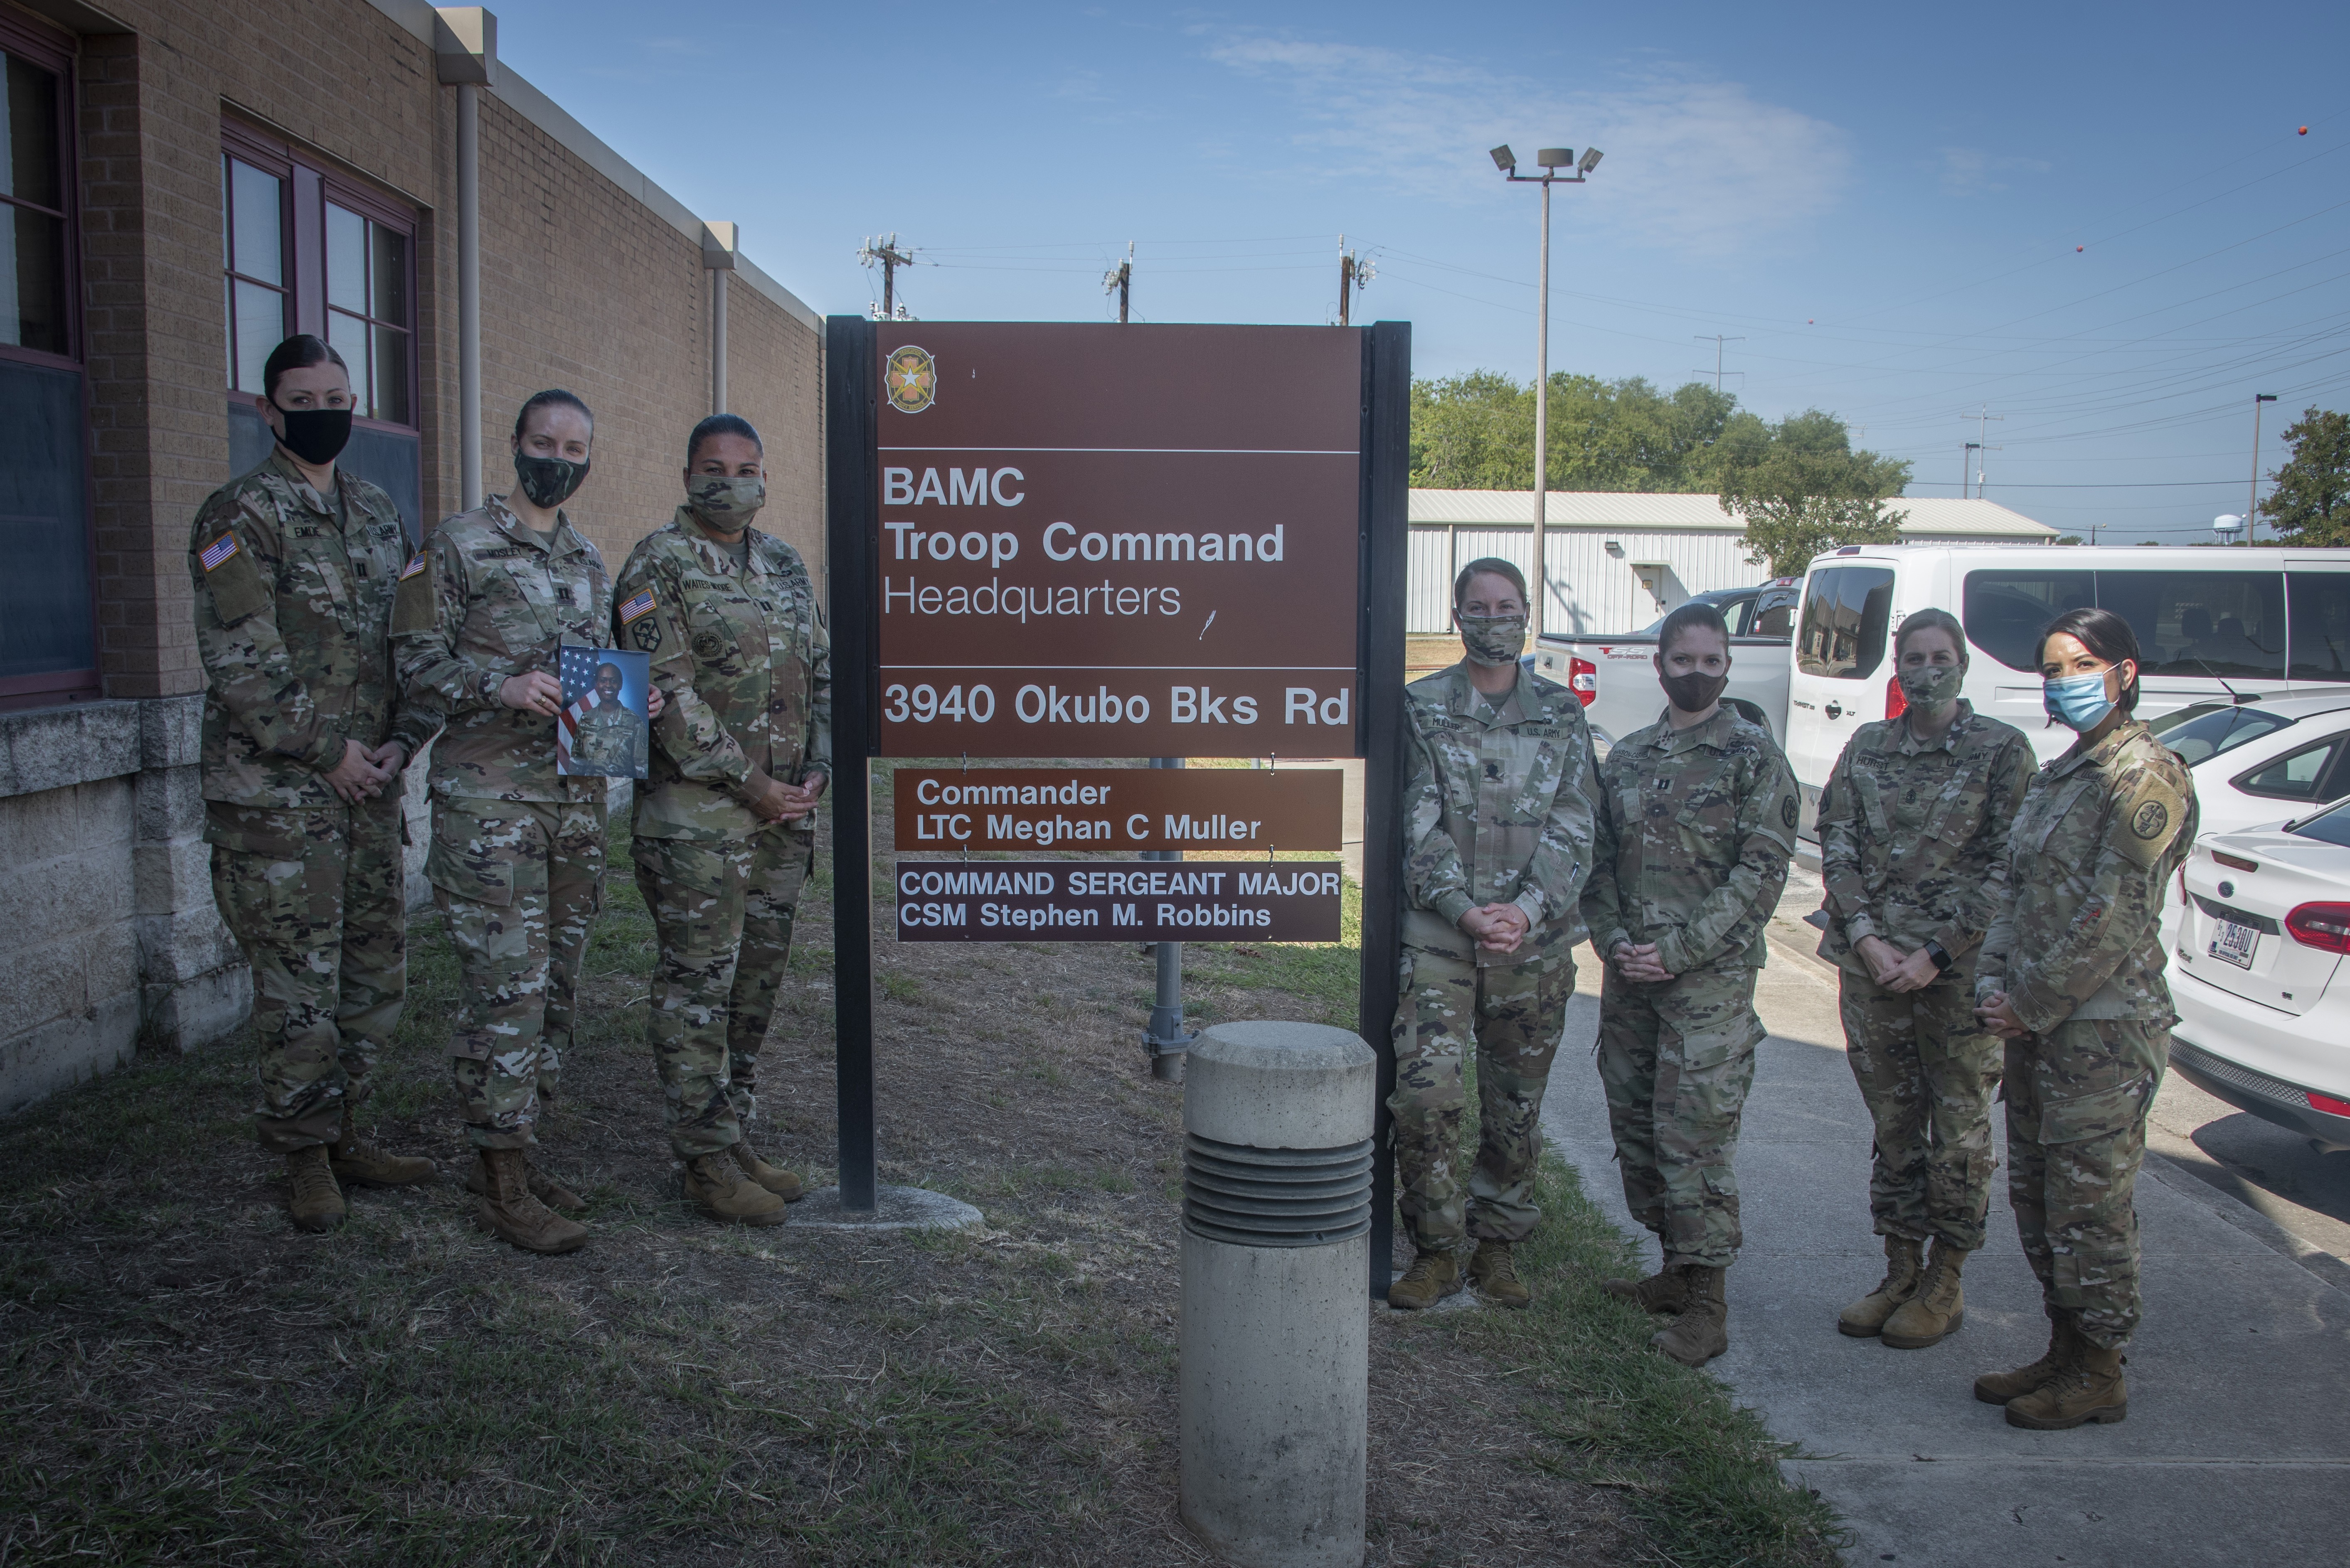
x: 312, y: 182
x: 2321, y: 787
x: 56, y: 52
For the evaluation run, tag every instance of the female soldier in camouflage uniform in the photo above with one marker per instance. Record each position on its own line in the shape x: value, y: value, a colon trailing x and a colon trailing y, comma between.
x: 725, y: 824
x: 1697, y: 821
x: 517, y: 857
x: 2072, y: 979
x: 1497, y: 842
x: 1913, y: 848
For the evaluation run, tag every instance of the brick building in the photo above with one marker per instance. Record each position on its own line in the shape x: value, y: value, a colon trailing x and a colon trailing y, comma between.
x: 183, y: 183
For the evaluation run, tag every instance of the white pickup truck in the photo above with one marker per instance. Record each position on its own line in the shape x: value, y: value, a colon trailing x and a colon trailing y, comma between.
x: 1616, y: 678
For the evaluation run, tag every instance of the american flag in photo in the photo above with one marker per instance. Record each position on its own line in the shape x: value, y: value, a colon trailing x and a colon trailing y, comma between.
x: 578, y: 674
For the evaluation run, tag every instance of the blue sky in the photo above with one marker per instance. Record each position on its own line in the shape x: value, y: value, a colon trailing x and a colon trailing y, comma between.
x: 2101, y: 222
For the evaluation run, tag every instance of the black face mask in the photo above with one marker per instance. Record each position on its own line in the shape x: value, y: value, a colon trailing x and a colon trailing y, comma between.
x: 549, y: 481
x: 316, y: 435
x: 1693, y: 692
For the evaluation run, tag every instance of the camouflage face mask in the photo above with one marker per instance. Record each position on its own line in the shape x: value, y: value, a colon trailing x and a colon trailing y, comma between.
x: 1931, y: 687
x: 1493, y: 640
x: 725, y: 503
x: 549, y: 480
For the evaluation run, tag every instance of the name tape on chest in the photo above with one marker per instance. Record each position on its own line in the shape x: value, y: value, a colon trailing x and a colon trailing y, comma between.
x: 218, y: 553
x: 641, y: 605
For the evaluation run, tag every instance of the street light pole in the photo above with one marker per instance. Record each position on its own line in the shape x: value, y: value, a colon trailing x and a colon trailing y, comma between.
x: 1551, y: 159
x: 2252, y: 502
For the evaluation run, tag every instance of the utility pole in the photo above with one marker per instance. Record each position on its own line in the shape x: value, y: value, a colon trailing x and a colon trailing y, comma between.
x: 1119, y: 280
x: 1984, y: 419
x: 1717, y: 340
x: 1354, y: 274
x: 1966, y: 463
x: 885, y: 253
x: 2252, y: 502
x: 1551, y: 160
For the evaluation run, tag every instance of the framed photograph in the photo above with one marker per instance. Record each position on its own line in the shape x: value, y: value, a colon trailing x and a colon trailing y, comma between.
x: 602, y: 732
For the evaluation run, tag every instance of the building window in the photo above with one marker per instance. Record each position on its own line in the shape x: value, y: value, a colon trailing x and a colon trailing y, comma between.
x: 48, y: 637
x: 368, y: 318
x: 306, y: 249
x: 253, y: 254
x: 34, y: 296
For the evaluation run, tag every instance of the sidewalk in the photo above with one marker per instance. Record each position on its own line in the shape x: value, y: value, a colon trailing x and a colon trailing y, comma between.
x: 2237, y: 1448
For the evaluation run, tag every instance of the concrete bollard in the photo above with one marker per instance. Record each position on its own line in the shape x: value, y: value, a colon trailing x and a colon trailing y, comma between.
x: 1275, y: 1339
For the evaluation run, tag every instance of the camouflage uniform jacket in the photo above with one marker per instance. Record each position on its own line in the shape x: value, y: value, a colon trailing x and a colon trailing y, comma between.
x: 2077, y: 934
x: 1696, y: 827
x: 1913, y: 834
x: 486, y: 599
x: 293, y: 606
x: 1496, y: 810
x: 744, y: 668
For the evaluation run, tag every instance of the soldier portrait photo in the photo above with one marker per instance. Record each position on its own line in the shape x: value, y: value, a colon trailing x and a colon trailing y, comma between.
x: 1913, y: 827
x: 1695, y: 823
x: 305, y: 738
x: 2071, y: 979
x: 725, y: 826
x: 1498, y: 781
x: 600, y: 734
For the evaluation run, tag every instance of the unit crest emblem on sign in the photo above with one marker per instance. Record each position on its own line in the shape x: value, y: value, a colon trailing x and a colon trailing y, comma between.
x: 913, y: 379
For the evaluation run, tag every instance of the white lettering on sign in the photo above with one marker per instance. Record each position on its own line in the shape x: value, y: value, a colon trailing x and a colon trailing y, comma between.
x: 975, y: 488
x: 1301, y: 703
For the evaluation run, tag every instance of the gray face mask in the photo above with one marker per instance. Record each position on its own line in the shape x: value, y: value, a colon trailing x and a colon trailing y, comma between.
x: 1932, y: 687
x: 1493, y: 640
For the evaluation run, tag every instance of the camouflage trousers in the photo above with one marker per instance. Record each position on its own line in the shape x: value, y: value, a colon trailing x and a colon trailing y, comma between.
x: 518, y: 882
x: 1516, y: 1015
x: 723, y: 912
x: 1676, y: 1059
x: 2078, y: 1099
x: 1927, y: 1071
x: 313, y: 899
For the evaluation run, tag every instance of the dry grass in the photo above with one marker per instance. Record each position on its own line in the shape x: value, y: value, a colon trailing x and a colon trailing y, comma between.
x: 185, y: 1379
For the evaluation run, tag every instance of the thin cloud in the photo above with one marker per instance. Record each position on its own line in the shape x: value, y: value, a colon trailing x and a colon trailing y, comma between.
x: 1971, y: 172
x: 1691, y: 162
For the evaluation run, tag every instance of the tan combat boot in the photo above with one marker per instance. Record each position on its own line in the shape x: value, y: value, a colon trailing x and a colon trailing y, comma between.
x: 719, y: 1185
x: 1904, y: 1260
x: 1431, y: 1277
x: 773, y: 1178
x: 312, y: 1197
x: 1494, y: 1271
x: 1938, y: 1307
x: 2064, y: 1345
x: 2089, y: 1389
x: 543, y: 1187
x: 1666, y: 1291
x: 1701, y: 1332
x: 355, y: 1159
x: 507, y: 1208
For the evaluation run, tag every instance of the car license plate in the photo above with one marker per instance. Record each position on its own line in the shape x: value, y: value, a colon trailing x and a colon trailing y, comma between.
x: 2233, y: 943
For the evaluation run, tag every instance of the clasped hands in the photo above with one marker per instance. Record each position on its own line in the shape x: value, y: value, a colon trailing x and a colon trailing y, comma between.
x: 1888, y: 967
x: 365, y: 770
x: 1498, y: 928
x: 781, y: 802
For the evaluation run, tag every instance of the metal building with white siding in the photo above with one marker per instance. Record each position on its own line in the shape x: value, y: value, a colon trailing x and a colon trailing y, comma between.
x: 1618, y: 560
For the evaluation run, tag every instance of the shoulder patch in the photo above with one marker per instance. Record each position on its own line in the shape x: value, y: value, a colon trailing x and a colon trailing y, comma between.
x: 416, y: 564
x: 216, y: 554
x: 1788, y: 813
x: 2147, y: 820
x: 642, y: 604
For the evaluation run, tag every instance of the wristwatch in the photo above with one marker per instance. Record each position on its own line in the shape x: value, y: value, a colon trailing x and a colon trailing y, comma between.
x: 1939, y: 954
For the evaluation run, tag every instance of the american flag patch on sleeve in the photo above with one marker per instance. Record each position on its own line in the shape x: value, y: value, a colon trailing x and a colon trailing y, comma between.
x: 641, y: 605
x: 218, y: 550
x: 413, y: 567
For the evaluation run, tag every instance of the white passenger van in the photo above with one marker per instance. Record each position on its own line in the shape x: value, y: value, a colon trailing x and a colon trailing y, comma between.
x: 2214, y: 622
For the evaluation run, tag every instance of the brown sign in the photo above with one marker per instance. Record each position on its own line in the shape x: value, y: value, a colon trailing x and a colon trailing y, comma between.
x: 1102, y: 541
x: 1115, y: 901
x: 1126, y: 810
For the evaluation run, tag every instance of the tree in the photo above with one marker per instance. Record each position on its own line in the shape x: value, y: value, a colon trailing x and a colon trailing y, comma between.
x: 1477, y: 433
x: 2311, y: 502
x: 1801, y: 489
x: 2068, y: 539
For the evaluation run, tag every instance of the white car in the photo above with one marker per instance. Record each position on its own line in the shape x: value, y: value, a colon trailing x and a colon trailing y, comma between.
x: 2263, y: 994
x: 2261, y: 760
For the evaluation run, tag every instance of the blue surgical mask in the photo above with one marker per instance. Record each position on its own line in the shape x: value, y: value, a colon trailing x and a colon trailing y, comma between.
x: 2076, y: 701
